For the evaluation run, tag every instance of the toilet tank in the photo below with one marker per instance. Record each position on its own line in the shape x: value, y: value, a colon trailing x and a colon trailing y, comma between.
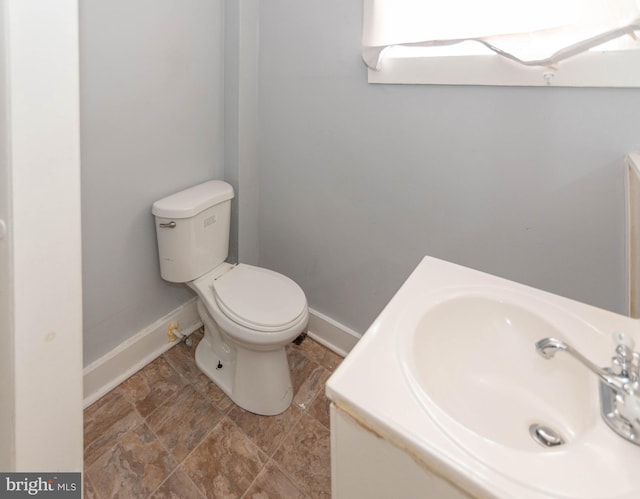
x: 192, y: 227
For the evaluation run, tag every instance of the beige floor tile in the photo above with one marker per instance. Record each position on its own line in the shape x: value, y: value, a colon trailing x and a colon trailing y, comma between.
x: 89, y: 491
x: 183, y: 422
x: 105, y: 422
x: 152, y: 386
x: 316, y: 352
x: 212, y: 392
x: 319, y: 408
x: 273, y: 484
x: 225, y: 464
x: 182, y: 358
x: 99, y: 416
x: 133, y: 468
x: 267, y: 432
x: 177, y: 486
x: 305, y: 457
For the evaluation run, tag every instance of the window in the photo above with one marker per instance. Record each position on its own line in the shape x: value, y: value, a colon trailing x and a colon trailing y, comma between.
x: 503, y: 42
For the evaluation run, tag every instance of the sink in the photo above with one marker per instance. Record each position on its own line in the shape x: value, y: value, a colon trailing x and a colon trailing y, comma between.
x: 470, y: 360
x: 449, y: 373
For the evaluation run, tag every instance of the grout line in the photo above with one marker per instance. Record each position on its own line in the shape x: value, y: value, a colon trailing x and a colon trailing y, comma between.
x: 204, y: 437
x: 165, y: 403
x: 180, y: 463
x: 173, y: 472
x: 169, y: 453
x: 259, y: 449
x: 161, y: 484
x: 120, y: 437
x: 291, y: 478
x: 287, y: 433
x: 255, y: 479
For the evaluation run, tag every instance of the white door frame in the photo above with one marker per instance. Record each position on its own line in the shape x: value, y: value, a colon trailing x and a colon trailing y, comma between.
x: 40, y: 183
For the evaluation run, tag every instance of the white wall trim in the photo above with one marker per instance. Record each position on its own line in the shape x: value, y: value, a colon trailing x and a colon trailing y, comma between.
x: 331, y: 334
x: 632, y: 259
x: 130, y: 356
x: 41, y: 102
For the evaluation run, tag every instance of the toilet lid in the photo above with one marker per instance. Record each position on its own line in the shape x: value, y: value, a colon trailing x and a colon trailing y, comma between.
x: 259, y: 298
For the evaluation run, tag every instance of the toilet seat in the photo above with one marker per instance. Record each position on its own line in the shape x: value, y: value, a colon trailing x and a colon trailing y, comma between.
x: 259, y: 299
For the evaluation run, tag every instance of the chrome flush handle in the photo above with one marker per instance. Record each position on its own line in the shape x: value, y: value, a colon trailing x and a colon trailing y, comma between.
x: 168, y: 225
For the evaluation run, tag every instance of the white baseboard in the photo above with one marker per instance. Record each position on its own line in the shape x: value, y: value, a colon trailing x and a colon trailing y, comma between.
x: 129, y: 357
x: 331, y: 334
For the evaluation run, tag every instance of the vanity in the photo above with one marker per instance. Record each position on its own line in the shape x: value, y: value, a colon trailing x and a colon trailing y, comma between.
x: 469, y: 385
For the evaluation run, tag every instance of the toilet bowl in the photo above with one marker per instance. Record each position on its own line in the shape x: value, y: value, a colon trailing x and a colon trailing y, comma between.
x: 250, y: 313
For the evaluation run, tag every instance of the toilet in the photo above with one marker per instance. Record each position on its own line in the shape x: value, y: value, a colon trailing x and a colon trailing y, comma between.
x: 249, y: 313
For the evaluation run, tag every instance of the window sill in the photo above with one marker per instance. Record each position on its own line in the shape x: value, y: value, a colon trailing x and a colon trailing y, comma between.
x: 592, y: 69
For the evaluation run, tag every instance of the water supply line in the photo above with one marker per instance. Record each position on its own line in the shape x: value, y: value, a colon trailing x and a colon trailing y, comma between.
x: 174, y: 335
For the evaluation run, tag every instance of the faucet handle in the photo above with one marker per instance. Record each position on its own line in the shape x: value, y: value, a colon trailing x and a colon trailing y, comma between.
x: 624, y: 346
x: 625, y: 353
x: 616, y: 365
x: 621, y: 338
x: 626, y: 361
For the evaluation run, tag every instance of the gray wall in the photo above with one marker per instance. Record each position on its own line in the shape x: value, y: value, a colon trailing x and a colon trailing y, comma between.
x: 152, y: 124
x: 241, y: 167
x: 341, y: 185
x: 358, y: 182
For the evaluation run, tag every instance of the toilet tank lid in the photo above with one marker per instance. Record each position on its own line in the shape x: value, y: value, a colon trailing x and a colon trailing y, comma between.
x: 191, y: 201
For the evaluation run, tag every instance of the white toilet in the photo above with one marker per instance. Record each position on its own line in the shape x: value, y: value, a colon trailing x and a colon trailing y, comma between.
x: 250, y: 313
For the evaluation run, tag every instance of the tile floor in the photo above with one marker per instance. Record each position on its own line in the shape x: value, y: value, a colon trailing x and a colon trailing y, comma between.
x: 168, y: 431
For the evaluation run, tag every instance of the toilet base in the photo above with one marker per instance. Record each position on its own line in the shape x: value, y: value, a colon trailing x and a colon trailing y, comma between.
x: 257, y: 381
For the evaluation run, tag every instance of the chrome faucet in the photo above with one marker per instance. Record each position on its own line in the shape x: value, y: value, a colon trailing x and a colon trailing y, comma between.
x: 619, y: 384
x: 548, y: 347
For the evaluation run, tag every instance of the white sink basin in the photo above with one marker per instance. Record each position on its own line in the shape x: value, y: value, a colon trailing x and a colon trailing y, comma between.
x: 449, y: 373
x: 471, y: 360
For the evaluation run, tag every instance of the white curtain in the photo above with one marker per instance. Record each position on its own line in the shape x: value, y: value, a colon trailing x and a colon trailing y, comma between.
x: 530, y: 32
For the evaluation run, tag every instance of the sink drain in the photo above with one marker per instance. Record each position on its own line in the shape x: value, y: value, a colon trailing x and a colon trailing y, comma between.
x: 545, y: 436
